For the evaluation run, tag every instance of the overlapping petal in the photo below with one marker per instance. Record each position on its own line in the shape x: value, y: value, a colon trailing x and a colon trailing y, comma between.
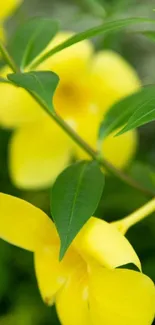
x: 102, y: 242
x: 38, y: 153
x: 72, y: 300
x: 51, y: 273
x: 120, y: 297
x: 24, y: 225
x: 112, y: 79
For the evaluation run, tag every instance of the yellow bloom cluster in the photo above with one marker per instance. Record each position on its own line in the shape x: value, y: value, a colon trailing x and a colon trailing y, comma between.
x: 89, y: 286
x: 89, y: 84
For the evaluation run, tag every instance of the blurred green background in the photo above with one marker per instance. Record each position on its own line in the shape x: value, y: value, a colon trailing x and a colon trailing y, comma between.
x: 20, y: 302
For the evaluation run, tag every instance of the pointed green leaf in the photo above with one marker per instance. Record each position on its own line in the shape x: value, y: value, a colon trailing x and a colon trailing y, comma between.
x: 136, y: 109
x: 42, y: 84
x: 106, y: 28
x: 74, y: 198
x: 144, y: 111
x: 31, y: 39
x: 149, y: 34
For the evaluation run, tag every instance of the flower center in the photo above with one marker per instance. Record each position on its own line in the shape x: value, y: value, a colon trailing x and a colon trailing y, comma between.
x: 71, y: 98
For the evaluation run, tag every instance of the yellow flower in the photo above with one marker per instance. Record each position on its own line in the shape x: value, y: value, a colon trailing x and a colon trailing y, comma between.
x: 7, y: 7
x: 89, y: 84
x: 87, y: 286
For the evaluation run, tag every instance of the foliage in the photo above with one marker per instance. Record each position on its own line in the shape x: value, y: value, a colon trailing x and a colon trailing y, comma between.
x: 76, y: 193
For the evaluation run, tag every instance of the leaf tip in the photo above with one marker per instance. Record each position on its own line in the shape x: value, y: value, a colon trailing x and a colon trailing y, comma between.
x: 62, y: 252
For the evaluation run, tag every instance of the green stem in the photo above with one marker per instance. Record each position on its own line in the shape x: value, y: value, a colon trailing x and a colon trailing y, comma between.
x: 138, y: 215
x: 93, y: 153
x: 8, y: 58
x: 84, y: 145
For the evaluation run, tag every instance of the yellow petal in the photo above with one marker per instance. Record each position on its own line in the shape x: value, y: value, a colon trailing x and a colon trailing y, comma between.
x: 24, y: 225
x: 7, y: 7
x: 112, y: 79
x: 38, y: 153
x: 121, y: 297
x: 52, y: 274
x: 72, y: 97
x: 74, y: 59
x: 102, y: 242
x: 49, y: 272
x: 72, y: 299
x: 88, y: 130
x: 73, y: 94
x: 117, y: 150
x: 120, y: 150
x: 17, y: 106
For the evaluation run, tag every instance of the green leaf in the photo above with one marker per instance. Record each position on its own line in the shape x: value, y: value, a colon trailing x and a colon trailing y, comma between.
x: 74, y: 198
x: 42, y: 84
x: 31, y: 39
x: 136, y: 109
x: 149, y: 34
x: 107, y: 27
x: 144, y: 111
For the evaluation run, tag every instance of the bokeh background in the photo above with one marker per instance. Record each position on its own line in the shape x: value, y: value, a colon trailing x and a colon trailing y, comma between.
x: 20, y: 302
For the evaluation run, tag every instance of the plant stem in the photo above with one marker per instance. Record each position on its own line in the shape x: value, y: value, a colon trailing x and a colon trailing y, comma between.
x: 81, y: 142
x: 8, y: 58
x: 93, y: 153
x: 124, y: 224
